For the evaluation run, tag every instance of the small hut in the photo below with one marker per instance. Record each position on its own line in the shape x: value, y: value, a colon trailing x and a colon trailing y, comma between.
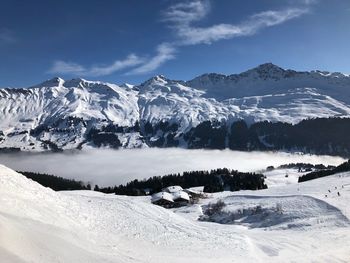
x: 163, y: 199
x: 181, y: 198
x: 172, y: 189
x: 193, y: 193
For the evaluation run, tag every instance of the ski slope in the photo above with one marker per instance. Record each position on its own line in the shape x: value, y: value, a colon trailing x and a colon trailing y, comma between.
x: 40, y: 225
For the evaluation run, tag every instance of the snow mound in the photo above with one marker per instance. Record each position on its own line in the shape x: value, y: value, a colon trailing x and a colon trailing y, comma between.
x: 282, y: 212
x: 39, y: 225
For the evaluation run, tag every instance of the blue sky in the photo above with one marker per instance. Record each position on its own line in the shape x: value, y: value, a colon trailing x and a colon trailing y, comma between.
x: 133, y: 40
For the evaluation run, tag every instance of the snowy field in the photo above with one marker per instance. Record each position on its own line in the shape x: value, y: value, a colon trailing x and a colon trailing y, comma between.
x: 111, y: 167
x: 40, y: 225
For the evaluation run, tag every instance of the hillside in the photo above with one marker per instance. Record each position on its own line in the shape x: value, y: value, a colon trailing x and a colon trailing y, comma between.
x: 40, y: 225
x: 75, y: 114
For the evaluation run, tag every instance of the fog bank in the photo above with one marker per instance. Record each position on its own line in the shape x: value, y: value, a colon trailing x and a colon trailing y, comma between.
x: 111, y: 167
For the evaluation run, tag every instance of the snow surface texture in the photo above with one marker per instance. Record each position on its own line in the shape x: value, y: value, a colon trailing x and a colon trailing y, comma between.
x: 40, y: 225
x: 263, y: 93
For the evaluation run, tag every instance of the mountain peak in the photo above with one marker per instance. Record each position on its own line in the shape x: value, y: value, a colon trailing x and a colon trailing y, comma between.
x: 126, y: 85
x: 268, y: 65
x: 75, y: 82
x: 54, y: 82
x: 267, y: 68
x: 57, y: 79
x: 264, y: 71
x: 158, y: 79
x: 267, y: 71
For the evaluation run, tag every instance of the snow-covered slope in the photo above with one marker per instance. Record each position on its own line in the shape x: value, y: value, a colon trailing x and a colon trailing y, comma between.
x: 53, y: 102
x: 39, y: 225
x: 62, y: 113
x: 164, y: 99
x: 271, y: 79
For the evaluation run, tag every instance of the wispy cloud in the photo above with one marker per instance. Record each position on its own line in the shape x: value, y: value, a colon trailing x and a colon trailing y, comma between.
x: 183, y: 18
x: 165, y: 52
x: 131, y: 61
x: 187, y: 12
x: 62, y: 67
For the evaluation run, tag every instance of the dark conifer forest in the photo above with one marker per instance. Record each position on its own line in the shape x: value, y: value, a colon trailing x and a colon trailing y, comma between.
x: 316, y: 136
x: 55, y: 182
x: 213, y: 181
x: 344, y: 167
x: 329, y: 136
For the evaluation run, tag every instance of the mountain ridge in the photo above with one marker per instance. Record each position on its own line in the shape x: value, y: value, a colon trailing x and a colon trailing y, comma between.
x: 66, y: 113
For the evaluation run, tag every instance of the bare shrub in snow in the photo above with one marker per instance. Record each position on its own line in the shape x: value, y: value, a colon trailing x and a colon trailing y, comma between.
x: 214, y: 208
x: 256, y: 216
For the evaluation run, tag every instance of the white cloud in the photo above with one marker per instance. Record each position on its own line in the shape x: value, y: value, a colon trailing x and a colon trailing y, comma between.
x: 130, y: 61
x: 181, y: 17
x: 62, y: 67
x: 165, y: 52
x: 185, y: 13
x: 197, y: 35
x: 272, y: 18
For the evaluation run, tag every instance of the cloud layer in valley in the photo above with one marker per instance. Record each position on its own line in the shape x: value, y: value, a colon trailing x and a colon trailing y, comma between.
x: 109, y: 167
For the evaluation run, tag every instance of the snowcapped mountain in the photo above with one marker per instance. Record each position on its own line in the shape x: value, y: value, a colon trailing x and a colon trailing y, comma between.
x: 271, y: 79
x: 77, y: 113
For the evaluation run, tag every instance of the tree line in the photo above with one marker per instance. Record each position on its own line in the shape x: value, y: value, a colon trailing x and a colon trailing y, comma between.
x: 306, y: 166
x: 56, y: 183
x: 344, y: 167
x: 213, y: 181
x: 318, y: 136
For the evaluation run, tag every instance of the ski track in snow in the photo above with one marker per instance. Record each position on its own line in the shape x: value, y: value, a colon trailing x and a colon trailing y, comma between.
x: 40, y: 225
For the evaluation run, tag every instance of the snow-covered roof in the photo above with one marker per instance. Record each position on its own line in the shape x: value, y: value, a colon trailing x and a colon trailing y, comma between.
x: 193, y: 191
x: 162, y: 195
x: 173, y: 189
x: 181, y: 195
x: 171, y: 197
